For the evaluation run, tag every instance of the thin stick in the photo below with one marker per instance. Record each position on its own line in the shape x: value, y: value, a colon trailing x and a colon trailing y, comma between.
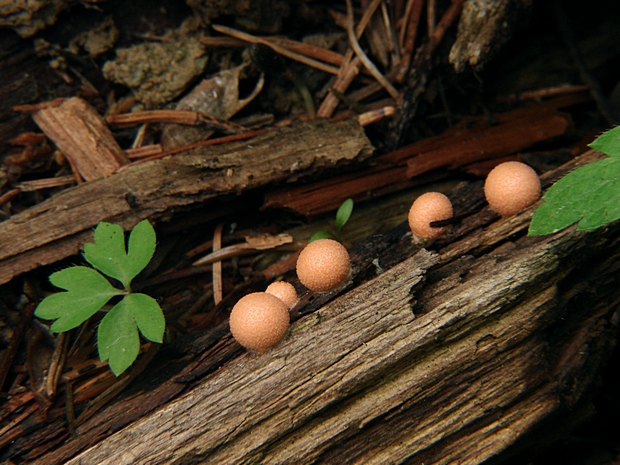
x: 218, y: 294
x: 30, y: 186
x: 144, y: 151
x: 343, y: 82
x: 393, y: 42
x: 375, y: 115
x: 431, y: 15
x: 311, y: 51
x: 403, y: 25
x: 364, y: 59
x: 8, y: 196
x: 276, y: 48
x: 56, y: 365
x: 408, y: 43
x: 349, y: 68
x: 185, y: 117
x: 444, y: 23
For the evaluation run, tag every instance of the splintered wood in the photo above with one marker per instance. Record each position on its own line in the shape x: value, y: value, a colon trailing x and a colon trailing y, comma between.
x: 83, y: 138
x: 447, y: 357
x: 56, y: 228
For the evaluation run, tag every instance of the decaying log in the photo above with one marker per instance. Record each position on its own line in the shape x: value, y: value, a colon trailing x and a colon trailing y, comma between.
x: 56, y: 228
x: 448, y: 357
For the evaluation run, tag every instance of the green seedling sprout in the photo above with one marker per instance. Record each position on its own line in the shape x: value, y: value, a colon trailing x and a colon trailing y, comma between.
x: 342, y: 216
x: 588, y: 196
x: 88, y: 290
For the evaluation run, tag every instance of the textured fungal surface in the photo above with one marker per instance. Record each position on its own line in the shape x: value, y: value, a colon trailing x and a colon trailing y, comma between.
x: 323, y: 264
x: 427, y: 208
x: 511, y: 187
x: 259, y: 321
x: 284, y: 291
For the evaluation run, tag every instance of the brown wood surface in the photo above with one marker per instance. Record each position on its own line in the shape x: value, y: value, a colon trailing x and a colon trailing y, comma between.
x: 56, y: 228
x: 83, y: 137
x: 447, y: 357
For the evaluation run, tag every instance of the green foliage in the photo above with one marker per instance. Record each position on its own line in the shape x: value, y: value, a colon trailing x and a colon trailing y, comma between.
x: 342, y: 216
x: 589, y: 196
x: 87, y: 291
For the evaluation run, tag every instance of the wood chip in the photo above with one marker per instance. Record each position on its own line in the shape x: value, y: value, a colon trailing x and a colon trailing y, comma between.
x: 83, y: 137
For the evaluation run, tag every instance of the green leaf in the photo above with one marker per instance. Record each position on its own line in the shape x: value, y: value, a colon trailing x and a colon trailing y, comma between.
x: 141, y: 248
x: 87, y: 291
x: 118, y: 338
x: 148, y: 316
x: 608, y: 142
x: 589, y: 195
x: 344, y: 213
x: 321, y: 235
x: 108, y: 253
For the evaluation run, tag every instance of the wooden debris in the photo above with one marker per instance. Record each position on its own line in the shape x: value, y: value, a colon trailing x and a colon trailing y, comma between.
x: 217, y: 265
x: 461, y: 145
x: 389, y: 371
x: 82, y: 136
x: 276, y: 48
x: 364, y: 59
x: 56, y: 228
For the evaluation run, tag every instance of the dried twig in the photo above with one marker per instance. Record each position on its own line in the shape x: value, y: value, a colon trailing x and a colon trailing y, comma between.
x: 363, y: 58
x: 144, y: 151
x: 348, y: 70
x: 276, y: 48
x: 217, y: 266
x: 431, y: 15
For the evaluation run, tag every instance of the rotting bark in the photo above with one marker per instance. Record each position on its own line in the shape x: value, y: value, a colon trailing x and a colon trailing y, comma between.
x: 447, y: 357
x: 56, y: 228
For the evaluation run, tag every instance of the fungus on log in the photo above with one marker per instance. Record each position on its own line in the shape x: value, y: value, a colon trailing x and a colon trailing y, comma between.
x: 447, y: 357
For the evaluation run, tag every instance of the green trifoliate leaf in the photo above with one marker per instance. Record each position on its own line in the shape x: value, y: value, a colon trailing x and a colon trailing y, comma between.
x: 118, y: 339
x: 108, y: 253
x: 608, y: 142
x: 87, y: 291
x: 589, y: 195
x: 344, y: 213
x: 147, y: 314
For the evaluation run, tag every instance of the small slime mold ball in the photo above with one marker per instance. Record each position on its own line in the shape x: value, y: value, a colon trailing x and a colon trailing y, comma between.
x: 511, y: 187
x: 259, y: 321
x: 429, y: 207
x: 323, y: 264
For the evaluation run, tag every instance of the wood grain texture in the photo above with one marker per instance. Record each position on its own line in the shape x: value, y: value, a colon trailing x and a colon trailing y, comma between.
x: 399, y: 371
x: 56, y: 228
x: 82, y: 136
